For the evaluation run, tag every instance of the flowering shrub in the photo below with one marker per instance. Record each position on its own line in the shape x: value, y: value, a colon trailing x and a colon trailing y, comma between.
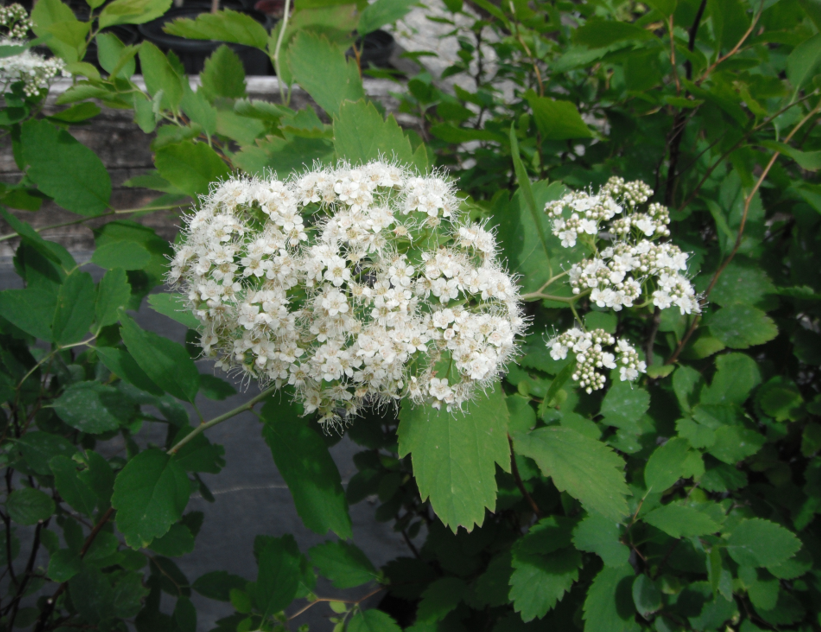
x: 387, y: 292
x: 583, y: 402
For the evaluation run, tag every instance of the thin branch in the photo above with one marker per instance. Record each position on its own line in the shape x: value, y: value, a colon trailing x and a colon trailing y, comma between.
x: 519, y: 483
x: 218, y: 420
x: 735, y: 49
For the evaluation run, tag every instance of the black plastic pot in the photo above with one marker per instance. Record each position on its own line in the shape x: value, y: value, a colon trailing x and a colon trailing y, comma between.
x: 193, y: 53
x: 375, y: 49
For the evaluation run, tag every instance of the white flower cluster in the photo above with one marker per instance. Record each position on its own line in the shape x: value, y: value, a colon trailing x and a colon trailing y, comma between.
x: 356, y: 286
x: 592, y: 357
x: 15, y: 20
x: 34, y: 70
x: 618, y: 274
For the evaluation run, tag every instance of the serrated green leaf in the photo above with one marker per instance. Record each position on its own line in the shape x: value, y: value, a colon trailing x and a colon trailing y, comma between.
x: 742, y: 326
x: 93, y: 407
x: 557, y: 120
x: 666, y: 465
x: 440, y: 598
x: 113, y: 294
x: 646, y: 596
x: 128, y: 255
x: 304, y: 462
x: 223, y: 75
x: 372, y: 621
x: 608, y: 606
x: 624, y: 405
x: 150, y: 494
x: 120, y: 362
x: 278, y: 579
x: 583, y: 467
x: 72, y: 489
x: 382, y: 12
x: 322, y: 70
x: 218, y: 585
x: 178, y: 541
x: 191, y: 167
x: 64, y: 169
x: 74, y: 311
x: 343, y: 563
x: 160, y: 76
x: 759, y: 542
x: 780, y: 399
x: 174, y: 306
x: 222, y: 26
x: 63, y: 565
x: 539, y: 582
x: 28, y: 506
x: 362, y: 135
x: 199, y: 454
x: 455, y: 455
x: 737, y: 374
x: 735, y: 443
x: 31, y: 309
x: 681, y: 521
x: 131, y: 11
x: 166, y: 363
x: 803, y: 62
x: 600, y: 535
x: 38, y: 448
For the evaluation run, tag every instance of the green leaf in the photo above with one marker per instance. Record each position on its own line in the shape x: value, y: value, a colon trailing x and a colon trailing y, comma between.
x: 600, y: 535
x: 178, y: 541
x: 303, y: 461
x: 93, y: 407
x: 120, y: 362
x: 803, y: 62
x: 455, y: 455
x: 64, y: 169
x: 99, y: 477
x: 624, y: 405
x: 742, y: 326
x: 666, y: 7
x: 215, y: 388
x: 382, y: 12
x: 173, y: 306
x: 166, y: 363
x: 343, y: 563
x: 759, y: 542
x: 372, y: 621
x: 223, y: 26
x: 160, y: 76
x: 191, y: 167
x: 132, y: 11
x: 38, y: 448
x: 113, y: 293
x: 666, y: 465
x: 743, y: 281
x: 557, y: 120
x: 63, y: 565
x: 681, y: 521
x: 114, y: 56
x: 608, y: 606
x: 32, y: 310
x: 196, y: 107
x: 362, y: 135
x: 440, y: 597
x: 92, y: 595
x: 583, y: 467
x: 278, y: 579
x: 736, y: 376
x: 128, y: 255
x: 150, y: 494
x: 217, y: 585
x: 646, y: 596
x: 735, y: 443
x: 28, y: 506
x: 780, y: 399
x: 223, y: 75
x: 72, y: 489
x: 75, y: 309
x: 538, y: 581
x: 199, y: 454
x: 322, y: 70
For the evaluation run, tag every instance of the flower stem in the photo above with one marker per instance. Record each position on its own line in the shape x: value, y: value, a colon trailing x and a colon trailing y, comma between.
x: 224, y: 417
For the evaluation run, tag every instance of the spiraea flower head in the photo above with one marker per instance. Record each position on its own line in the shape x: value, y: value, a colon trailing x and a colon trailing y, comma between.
x: 354, y: 285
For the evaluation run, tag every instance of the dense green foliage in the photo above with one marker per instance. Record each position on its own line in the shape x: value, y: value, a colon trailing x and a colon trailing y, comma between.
x: 685, y: 502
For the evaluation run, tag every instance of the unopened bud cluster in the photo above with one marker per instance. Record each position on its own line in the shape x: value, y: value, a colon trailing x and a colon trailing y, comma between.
x: 357, y: 286
x: 596, y: 351
x: 32, y: 69
x: 631, y: 264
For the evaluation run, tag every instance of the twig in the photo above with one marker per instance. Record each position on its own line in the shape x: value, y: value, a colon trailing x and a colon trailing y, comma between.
x: 519, y: 483
x: 280, y: 37
x: 747, y: 202
x: 735, y: 48
x: 217, y: 420
x: 355, y: 602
